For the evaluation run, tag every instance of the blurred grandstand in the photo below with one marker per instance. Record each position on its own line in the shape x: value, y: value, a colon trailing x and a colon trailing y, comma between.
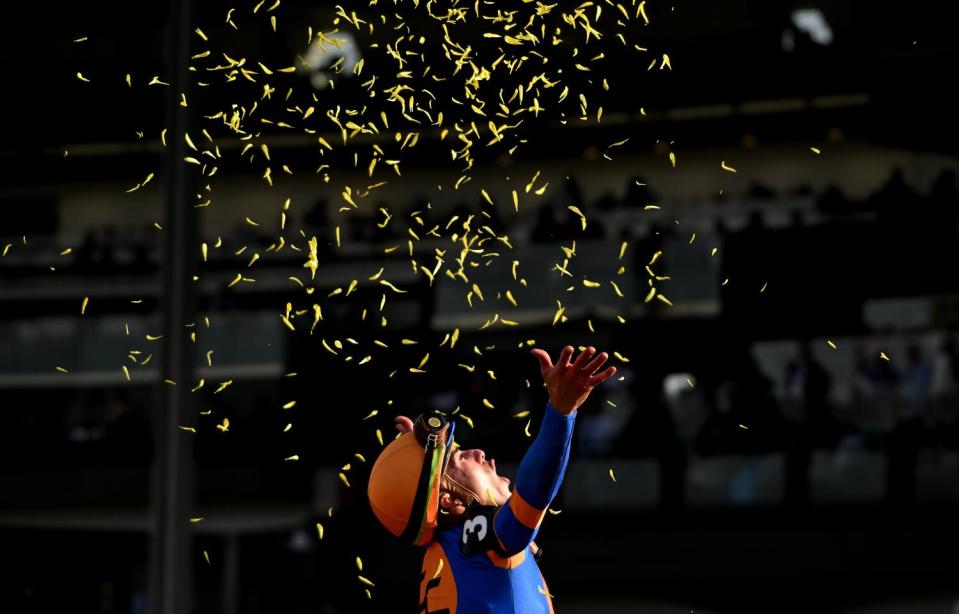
x: 787, y: 435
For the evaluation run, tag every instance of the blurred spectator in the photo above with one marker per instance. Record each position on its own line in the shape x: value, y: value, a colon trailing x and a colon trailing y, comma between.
x: 942, y: 388
x: 547, y: 227
x: 638, y: 193
x: 759, y: 191
x: 916, y: 384
x: 876, y: 385
x: 607, y: 202
x: 834, y: 202
x: 894, y: 198
x: 574, y: 193
x: 599, y: 429
x: 87, y: 255
x: 807, y: 383
x: 743, y: 417
x: 944, y: 201
x: 317, y: 216
x: 903, y: 453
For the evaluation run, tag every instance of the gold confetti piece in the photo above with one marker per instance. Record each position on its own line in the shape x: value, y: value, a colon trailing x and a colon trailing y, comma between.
x: 200, y: 33
x: 392, y: 287
x: 197, y: 519
x: 365, y: 581
x: 359, y: 563
x: 295, y: 457
x: 558, y: 315
x: 439, y: 568
x: 724, y: 166
x: 883, y: 356
x: 287, y: 427
x: 526, y: 428
x: 713, y: 253
x: 664, y: 299
x: 206, y: 556
x: 743, y: 427
x: 80, y: 40
x: 62, y: 370
x: 672, y: 159
x: 344, y: 480
x: 289, y: 405
x: 815, y: 150
x: 488, y: 404
x: 543, y: 591
x: 126, y: 372
x: 831, y: 344
x: 577, y: 212
x: 620, y: 357
x: 319, y: 530
x: 763, y: 289
x: 188, y: 429
x: 83, y: 305
x: 612, y: 475
x: 379, y: 436
x: 82, y: 78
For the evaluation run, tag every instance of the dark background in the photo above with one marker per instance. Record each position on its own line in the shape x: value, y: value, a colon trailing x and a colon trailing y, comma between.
x: 758, y: 469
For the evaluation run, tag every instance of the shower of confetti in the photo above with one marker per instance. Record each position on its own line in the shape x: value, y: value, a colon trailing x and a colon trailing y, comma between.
x: 471, y: 79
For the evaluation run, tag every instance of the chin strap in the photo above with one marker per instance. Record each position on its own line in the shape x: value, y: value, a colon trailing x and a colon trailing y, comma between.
x: 459, y: 490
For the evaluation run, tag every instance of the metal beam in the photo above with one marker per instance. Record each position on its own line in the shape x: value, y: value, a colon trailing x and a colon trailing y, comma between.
x: 171, y: 563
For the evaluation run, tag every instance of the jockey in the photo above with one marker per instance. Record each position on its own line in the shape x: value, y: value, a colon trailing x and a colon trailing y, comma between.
x: 478, y: 534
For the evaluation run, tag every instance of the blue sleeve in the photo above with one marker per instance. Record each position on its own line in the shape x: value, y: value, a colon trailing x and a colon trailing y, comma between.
x: 537, y: 482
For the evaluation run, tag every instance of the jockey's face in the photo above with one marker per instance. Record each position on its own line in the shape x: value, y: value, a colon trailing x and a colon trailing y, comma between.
x: 473, y: 470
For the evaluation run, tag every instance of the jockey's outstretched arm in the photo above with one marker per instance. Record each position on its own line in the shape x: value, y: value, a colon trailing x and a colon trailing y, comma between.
x: 541, y: 471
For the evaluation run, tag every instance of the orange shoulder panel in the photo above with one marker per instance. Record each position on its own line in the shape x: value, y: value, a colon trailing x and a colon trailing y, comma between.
x: 437, y: 585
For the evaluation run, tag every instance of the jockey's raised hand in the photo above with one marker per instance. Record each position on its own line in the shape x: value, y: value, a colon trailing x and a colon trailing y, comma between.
x: 569, y: 383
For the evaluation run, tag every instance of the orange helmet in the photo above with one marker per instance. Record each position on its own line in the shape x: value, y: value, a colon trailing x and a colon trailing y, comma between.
x: 404, y: 488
